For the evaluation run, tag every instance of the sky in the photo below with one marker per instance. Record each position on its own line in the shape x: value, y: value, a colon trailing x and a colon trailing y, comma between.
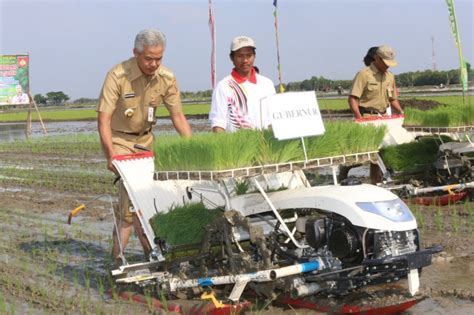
x: 73, y: 43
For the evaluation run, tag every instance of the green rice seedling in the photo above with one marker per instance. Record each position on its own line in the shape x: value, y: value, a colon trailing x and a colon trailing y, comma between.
x: 45, y: 236
x: 438, y: 219
x: 206, y: 151
x: 87, y: 280
x: 100, y: 285
x: 163, y: 300
x: 113, y: 288
x: 443, y: 116
x: 272, y: 151
x: 241, y: 187
x: 3, y: 304
x: 83, y: 306
x: 420, y: 218
x: 243, y: 145
x: 469, y: 209
x: 184, y: 224
x: 345, y: 138
x: 414, y: 156
x: 455, y: 220
x: 148, y: 299
x: 50, y: 268
x: 75, y: 278
x: 249, y: 147
x: 12, y: 307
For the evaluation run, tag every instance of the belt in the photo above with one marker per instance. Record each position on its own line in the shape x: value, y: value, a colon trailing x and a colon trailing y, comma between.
x: 371, y: 111
x: 137, y: 134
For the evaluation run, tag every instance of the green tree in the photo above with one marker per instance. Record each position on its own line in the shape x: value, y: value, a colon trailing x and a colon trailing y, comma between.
x: 40, y: 99
x: 57, y: 97
x: 84, y: 100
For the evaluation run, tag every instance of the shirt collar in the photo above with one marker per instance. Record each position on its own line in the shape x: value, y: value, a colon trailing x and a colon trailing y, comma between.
x: 240, y: 79
x: 374, y: 68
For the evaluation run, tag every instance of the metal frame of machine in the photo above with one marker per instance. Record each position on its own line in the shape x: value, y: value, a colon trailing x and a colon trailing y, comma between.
x: 301, y: 240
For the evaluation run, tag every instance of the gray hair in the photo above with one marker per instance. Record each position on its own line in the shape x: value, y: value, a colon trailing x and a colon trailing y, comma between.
x: 149, y: 37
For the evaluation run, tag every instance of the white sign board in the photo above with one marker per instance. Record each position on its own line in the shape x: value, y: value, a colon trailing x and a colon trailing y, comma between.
x: 294, y: 115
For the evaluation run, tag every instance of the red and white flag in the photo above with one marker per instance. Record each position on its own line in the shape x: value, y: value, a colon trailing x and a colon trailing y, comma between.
x: 213, y: 46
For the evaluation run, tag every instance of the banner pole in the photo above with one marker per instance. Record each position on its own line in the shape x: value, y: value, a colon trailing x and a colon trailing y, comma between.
x: 275, y: 14
x: 39, y: 115
x: 28, y: 122
x: 457, y: 40
x: 212, y: 29
x: 304, y: 150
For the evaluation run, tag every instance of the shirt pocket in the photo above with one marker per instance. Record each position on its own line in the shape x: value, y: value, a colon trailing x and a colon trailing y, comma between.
x: 372, y: 86
x: 129, y: 114
x: 372, y: 89
x: 129, y: 100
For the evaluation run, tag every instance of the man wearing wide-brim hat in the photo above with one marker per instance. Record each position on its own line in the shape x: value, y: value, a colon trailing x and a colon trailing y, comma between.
x: 373, y: 89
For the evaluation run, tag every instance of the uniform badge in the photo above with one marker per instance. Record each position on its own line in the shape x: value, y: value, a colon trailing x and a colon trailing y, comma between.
x: 390, y: 92
x: 129, y: 112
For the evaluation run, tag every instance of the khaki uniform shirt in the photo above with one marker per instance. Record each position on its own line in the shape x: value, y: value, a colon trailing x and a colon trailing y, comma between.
x: 126, y: 95
x: 374, y: 89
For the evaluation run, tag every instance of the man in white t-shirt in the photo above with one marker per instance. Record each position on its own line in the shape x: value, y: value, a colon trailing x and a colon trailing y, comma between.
x: 236, y: 98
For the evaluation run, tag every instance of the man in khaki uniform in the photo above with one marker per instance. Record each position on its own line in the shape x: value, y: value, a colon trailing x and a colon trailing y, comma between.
x: 373, y: 89
x: 131, y: 92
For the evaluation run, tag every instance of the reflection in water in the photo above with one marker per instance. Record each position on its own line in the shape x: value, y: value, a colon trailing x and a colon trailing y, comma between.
x: 12, y: 131
x: 16, y: 131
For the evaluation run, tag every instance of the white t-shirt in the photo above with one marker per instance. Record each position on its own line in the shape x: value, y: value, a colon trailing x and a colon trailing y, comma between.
x: 237, y: 105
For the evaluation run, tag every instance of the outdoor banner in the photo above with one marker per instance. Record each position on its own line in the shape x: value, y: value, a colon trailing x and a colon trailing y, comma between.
x: 294, y: 115
x: 457, y: 40
x: 14, y: 79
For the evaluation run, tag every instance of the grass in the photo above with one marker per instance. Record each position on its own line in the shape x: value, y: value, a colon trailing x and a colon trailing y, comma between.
x: 76, y: 114
x: 448, y: 100
x: 332, y: 103
x: 89, y: 113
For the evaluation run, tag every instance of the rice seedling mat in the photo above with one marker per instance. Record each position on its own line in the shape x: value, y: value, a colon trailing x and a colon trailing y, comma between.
x: 438, y: 129
x: 269, y: 168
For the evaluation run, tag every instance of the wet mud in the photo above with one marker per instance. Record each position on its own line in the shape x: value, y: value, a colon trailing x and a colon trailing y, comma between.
x: 49, y: 267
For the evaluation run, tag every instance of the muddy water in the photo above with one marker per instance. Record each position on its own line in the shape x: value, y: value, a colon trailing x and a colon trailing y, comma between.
x: 16, y: 131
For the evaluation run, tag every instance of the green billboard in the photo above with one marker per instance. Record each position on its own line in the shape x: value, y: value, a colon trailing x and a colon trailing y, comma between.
x: 14, y: 79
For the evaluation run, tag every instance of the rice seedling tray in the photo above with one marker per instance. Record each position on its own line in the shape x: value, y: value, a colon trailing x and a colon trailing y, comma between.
x: 435, y: 130
x: 266, y: 169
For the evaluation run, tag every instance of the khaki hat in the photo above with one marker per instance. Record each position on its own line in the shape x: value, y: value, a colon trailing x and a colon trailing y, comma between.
x: 387, y: 54
x: 240, y: 42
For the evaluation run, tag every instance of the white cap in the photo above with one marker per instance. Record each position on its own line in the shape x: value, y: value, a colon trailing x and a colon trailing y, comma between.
x: 240, y: 42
